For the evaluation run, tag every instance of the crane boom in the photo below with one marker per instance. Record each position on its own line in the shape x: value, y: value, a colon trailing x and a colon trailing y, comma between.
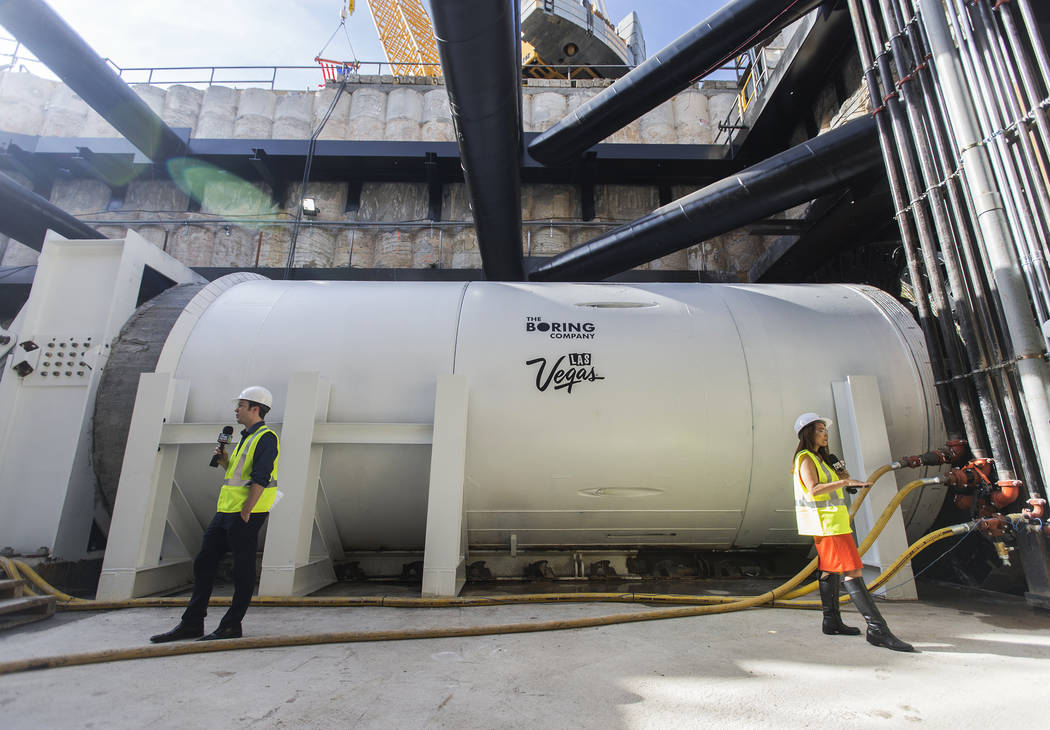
x: 407, y: 36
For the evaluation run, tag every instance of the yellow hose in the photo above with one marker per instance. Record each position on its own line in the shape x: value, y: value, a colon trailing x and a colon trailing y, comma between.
x: 70, y: 603
x: 195, y: 647
x: 778, y: 597
x: 11, y: 568
x: 713, y: 605
x: 877, y: 528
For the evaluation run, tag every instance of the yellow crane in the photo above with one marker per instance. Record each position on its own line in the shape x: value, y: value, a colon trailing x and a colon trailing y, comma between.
x: 407, y: 36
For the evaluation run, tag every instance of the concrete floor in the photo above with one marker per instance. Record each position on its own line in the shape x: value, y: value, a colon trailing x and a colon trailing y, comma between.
x: 981, y: 654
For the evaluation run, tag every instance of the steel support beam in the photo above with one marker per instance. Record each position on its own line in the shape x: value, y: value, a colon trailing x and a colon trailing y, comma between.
x: 53, y: 41
x: 27, y: 217
x: 479, y: 58
x: 730, y: 30
x: 791, y: 178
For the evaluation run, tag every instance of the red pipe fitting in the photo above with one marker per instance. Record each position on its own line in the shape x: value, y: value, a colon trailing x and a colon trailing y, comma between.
x: 1036, y: 511
x: 972, y: 475
x: 958, y: 449
x: 1006, y: 492
x: 992, y: 526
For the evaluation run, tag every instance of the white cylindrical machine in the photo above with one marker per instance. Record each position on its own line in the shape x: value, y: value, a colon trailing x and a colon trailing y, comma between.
x: 599, y: 414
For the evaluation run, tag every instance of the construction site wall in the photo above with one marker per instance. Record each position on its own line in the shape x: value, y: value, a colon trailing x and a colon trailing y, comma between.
x: 389, y: 228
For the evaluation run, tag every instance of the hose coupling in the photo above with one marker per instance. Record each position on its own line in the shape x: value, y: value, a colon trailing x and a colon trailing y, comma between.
x: 953, y: 453
x: 963, y: 527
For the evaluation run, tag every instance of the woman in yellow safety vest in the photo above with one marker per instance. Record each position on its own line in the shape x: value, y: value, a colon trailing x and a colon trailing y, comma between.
x: 821, y: 511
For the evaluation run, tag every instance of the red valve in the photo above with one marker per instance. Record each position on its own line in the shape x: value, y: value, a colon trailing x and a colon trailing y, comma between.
x: 975, y: 478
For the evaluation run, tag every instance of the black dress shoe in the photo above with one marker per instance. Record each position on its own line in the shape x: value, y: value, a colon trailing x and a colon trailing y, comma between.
x: 182, y: 631
x: 223, y: 632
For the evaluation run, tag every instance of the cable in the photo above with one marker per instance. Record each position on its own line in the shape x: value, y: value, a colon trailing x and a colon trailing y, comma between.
x: 306, y: 178
x: 935, y: 560
x: 15, y: 270
x: 342, y: 24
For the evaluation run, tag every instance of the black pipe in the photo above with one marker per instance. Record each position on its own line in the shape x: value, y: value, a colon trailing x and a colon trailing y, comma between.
x: 42, y: 31
x: 478, y: 52
x: 795, y: 176
x: 729, y: 31
x: 27, y: 217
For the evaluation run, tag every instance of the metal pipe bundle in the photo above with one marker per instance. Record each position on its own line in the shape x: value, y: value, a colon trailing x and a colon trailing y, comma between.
x: 966, y: 141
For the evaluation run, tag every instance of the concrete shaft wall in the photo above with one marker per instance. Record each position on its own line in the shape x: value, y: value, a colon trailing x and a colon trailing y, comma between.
x: 239, y: 225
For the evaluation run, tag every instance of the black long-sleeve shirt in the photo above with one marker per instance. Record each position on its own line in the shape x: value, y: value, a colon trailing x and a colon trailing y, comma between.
x: 265, y: 454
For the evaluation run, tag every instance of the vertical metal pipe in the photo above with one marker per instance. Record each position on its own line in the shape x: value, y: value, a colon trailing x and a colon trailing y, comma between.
x: 1031, y: 84
x: 908, y: 75
x: 1018, y: 214
x: 927, y: 238
x: 1027, y: 342
x: 1007, y: 88
x: 1041, y: 56
x: 982, y: 294
x: 927, y: 321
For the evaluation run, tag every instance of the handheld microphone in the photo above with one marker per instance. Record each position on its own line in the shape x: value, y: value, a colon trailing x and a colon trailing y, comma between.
x: 839, y: 465
x: 224, y: 438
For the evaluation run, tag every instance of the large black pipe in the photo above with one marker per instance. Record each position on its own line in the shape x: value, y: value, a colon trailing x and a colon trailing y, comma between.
x: 791, y: 178
x: 42, y: 31
x: 26, y: 217
x: 729, y: 31
x: 479, y: 58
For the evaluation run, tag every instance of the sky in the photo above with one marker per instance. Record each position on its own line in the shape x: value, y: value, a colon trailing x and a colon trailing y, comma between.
x: 282, y: 32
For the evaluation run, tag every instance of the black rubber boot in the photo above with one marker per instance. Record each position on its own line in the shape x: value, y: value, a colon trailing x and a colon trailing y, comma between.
x: 879, y: 633
x: 829, y: 599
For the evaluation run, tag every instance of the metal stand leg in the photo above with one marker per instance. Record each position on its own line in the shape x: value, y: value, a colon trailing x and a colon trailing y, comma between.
x: 148, y: 500
x: 444, y: 562
x: 290, y: 567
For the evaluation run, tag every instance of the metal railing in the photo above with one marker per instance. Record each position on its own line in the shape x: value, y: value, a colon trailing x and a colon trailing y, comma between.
x: 13, y: 56
x: 10, y: 60
x: 752, y: 74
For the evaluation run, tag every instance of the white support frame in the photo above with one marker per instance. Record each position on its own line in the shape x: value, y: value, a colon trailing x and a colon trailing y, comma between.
x: 866, y: 446
x: 149, y: 502
x: 145, y: 494
x: 83, y: 293
x: 289, y: 566
x: 445, y: 555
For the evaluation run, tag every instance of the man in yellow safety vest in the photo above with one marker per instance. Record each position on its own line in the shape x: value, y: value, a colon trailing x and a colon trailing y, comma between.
x: 247, y: 494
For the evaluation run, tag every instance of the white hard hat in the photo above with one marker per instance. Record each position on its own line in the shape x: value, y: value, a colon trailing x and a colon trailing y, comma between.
x: 258, y: 394
x: 807, y: 418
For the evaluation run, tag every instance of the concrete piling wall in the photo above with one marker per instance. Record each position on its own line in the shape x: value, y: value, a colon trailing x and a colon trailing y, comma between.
x: 238, y: 224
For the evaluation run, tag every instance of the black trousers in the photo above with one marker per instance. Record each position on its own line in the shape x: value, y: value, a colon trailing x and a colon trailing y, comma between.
x: 226, y: 533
